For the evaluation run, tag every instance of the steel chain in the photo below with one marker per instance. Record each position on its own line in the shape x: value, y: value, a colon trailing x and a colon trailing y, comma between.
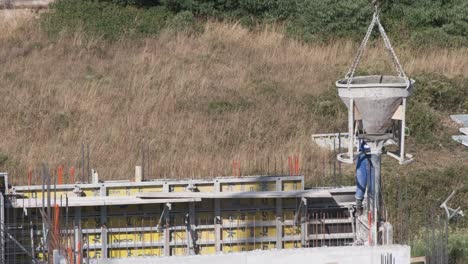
x: 375, y: 20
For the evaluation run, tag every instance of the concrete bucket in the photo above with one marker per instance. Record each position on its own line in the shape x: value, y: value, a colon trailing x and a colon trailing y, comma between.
x: 376, y: 99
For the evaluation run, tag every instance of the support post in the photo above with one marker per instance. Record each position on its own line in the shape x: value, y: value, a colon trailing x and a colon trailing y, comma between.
x: 78, y: 237
x: 217, y: 218
x: 402, y: 136
x: 191, y: 232
x: 351, y: 130
x: 138, y: 173
x: 376, y: 159
x: 279, y: 216
x: 304, y: 224
x: 2, y: 229
x: 103, y: 192
x: 167, y: 232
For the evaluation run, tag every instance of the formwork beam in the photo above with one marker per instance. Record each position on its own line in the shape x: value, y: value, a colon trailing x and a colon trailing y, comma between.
x: 103, y: 192
x: 291, y: 238
x: 167, y: 232
x: 217, y: 218
x: 2, y: 229
x: 103, y: 201
x: 191, y: 232
x: 304, y: 225
x: 162, y: 183
x: 279, y: 216
x: 321, y: 193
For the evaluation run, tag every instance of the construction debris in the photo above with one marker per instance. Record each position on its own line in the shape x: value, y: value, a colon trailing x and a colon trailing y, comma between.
x: 461, y: 120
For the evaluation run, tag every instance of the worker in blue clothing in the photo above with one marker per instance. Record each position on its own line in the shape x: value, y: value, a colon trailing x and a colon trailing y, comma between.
x: 364, y: 176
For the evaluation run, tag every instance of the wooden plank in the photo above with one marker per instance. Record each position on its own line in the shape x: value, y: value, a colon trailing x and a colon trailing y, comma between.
x: 162, y: 182
x: 103, y: 201
x: 464, y: 130
x: 418, y: 260
x: 239, y: 195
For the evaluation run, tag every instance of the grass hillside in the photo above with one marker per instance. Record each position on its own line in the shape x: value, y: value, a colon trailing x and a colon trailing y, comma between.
x: 200, y: 93
x: 199, y: 100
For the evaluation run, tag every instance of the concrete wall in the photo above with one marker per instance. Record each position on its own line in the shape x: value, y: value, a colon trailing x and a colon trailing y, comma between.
x: 332, y: 255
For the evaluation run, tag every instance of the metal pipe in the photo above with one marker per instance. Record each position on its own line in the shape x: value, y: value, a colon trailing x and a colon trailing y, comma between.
x: 402, y: 136
x: 376, y: 160
x: 351, y: 129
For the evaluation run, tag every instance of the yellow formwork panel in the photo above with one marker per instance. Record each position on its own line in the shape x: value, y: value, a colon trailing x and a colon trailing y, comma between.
x: 248, y: 186
x: 226, y: 248
x: 40, y: 256
x: 94, y: 238
x: 206, y: 250
x: 179, y: 235
x: 91, y: 192
x: 292, y: 185
x: 179, y: 188
x: 265, y: 231
x: 92, y: 254
x: 91, y: 222
x: 292, y: 244
x: 235, y: 218
x: 291, y: 230
x: 134, y: 237
x: 132, y: 190
x: 205, y: 188
x: 135, y: 252
x: 206, y: 235
x: 179, y: 251
x: 132, y: 221
x: 235, y: 233
x: 58, y: 194
x: 199, y: 188
x: 288, y: 214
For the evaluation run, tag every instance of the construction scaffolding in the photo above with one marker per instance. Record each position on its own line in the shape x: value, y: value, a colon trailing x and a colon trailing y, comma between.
x: 85, y: 222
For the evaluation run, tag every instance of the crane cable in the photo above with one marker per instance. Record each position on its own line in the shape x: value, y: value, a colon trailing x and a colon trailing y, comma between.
x: 396, y: 62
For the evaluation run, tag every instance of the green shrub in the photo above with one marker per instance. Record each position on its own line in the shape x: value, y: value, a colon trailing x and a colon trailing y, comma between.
x: 421, y: 22
x: 3, y: 158
x: 423, y: 122
x: 442, y: 93
x: 458, y: 246
x: 328, y: 108
x: 421, y: 195
x: 182, y: 21
x: 329, y: 19
x: 104, y: 19
x: 434, y: 96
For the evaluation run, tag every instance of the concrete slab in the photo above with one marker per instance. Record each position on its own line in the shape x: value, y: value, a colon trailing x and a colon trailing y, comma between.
x: 464, y: 130
x: 461, y: 139
x: 460, y: 119
x: 332, y: 255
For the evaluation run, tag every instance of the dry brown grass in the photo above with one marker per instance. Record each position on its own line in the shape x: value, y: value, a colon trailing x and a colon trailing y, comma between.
x: 12, y: 19
x: 199, y: 101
